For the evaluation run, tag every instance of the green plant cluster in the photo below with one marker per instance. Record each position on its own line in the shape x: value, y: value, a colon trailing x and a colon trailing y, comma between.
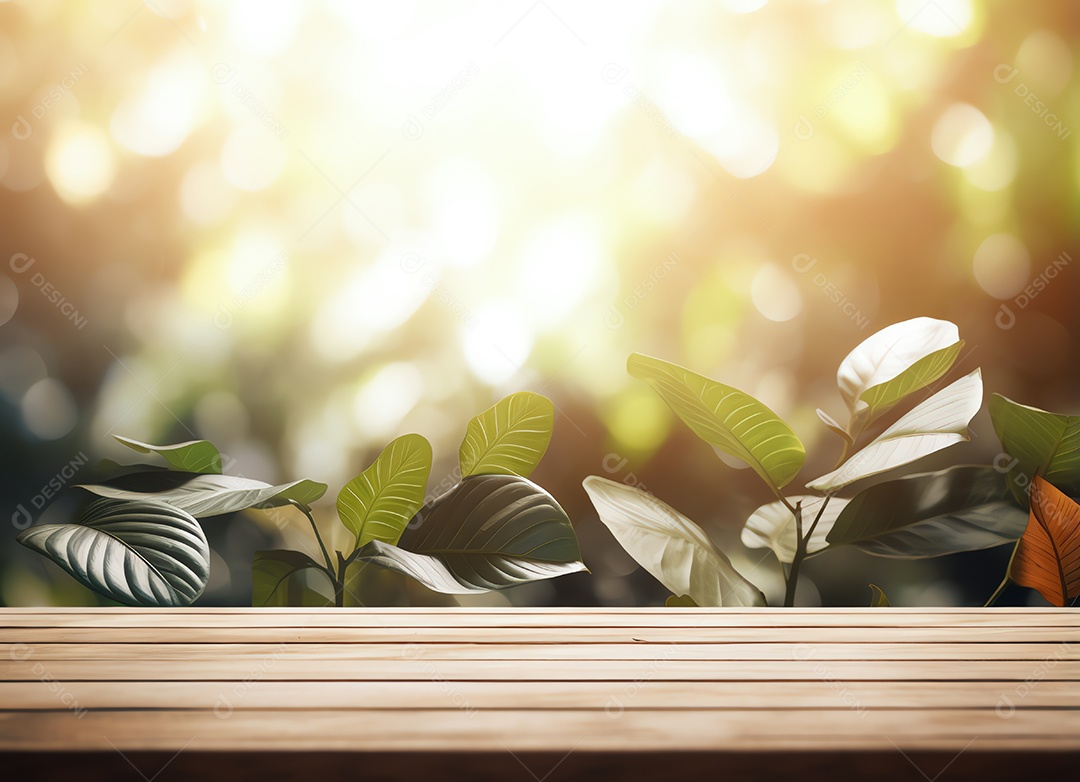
x: 962, y: 508
x: 141, y: 542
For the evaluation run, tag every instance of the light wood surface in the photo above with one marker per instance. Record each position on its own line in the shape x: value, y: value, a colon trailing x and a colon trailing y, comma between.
x: 611, y: 683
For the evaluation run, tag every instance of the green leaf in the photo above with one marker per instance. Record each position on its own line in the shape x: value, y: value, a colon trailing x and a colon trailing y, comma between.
x: 198, y: 456
x: 682, y: 601
x: 277, y: 580
x: 932, y: 514
x: 207, y: 495
x: 508, y: 438
x: 488, y: 532
x: 894, y: 363
x: 773, y: 526
x: 137, y: 553
x: 882, y: 398
x: 1040, y: 442
x: 725, y: 417
x: 675, y: 550
x: 937, y: 423
x: 878, y: 598
x: 380, y: 501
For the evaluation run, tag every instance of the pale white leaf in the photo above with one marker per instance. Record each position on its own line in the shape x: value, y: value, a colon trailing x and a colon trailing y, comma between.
x: 937, y: 423
x: 773, y: 526
x: 833, y: 424
x: 671, y: 547
x: 887, y: 354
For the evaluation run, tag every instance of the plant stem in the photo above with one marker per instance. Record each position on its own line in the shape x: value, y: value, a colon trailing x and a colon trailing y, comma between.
x: 339, y: 582
x: 997, y: 592
x: 307, y: 512
x: 801, y: 545
x: 800, y: 551
x: 817, y: 518
x: 1005, y: 581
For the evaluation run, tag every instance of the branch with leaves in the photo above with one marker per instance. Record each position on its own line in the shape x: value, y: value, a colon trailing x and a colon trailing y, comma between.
x: 142, y: 543
x: 962, y: 508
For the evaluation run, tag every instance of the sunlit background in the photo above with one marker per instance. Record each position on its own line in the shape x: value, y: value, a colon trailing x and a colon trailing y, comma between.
x: 301, y: 229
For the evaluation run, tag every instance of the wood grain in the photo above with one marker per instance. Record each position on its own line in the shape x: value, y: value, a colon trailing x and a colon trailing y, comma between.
x: 603, y: 686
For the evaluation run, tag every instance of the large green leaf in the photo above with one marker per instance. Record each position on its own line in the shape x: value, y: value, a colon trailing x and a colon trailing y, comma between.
x: 199, y: 456
x: 773, y: 526
x: 207, y: 495
x: 277, y: 579
x: 937, y: 423
x: 508, y: 438
x: 725, y: 417
x: 138, y: 553
x: 378, y: 503
x: 671, y: 547
x: 488, y: 532
x: 962, y: 508
x: 894, y: 363
x: 1040, y: 442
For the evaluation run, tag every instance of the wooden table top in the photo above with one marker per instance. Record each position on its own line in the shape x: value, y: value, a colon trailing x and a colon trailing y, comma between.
x: 643, y: 691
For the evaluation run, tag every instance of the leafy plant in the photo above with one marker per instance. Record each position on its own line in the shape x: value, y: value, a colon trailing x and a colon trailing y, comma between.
x: 494, y: 529
x: 962, y: 508
x: 141, y: 552
x: 141, y: 542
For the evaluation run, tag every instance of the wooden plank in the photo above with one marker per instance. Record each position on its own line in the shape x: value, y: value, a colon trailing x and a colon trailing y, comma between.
x: 498, y: 765
x: 642, y: 693
x: 624, y: 682
x: 285, y: 667
x: 526, y: 617
x: 461, y: 730
x: 238, y: 633
x: 884, y: 652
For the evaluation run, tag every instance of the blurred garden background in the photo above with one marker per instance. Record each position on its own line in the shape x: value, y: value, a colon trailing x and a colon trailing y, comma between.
x: 301, y: 229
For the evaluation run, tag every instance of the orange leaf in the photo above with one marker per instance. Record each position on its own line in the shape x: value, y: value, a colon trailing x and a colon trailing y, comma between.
x: 1048, y: 555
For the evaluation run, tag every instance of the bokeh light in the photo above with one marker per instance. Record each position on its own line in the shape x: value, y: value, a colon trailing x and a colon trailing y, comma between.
x: 301, y: 229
